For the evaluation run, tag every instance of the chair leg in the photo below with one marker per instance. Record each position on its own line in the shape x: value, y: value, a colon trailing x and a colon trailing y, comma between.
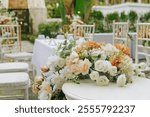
x: 26, y: 93
x: 33, y: 71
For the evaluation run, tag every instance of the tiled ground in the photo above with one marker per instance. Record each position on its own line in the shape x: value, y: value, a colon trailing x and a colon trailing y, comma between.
x: 28, y: 47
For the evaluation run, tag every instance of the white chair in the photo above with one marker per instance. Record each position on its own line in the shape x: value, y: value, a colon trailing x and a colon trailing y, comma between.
x: 14, y: 67
x: 11, y: 43
x: 14, y: 85
x: 120, y: 32
x: 142, y: 47
x: 86, y: 31
x: 10, y: 47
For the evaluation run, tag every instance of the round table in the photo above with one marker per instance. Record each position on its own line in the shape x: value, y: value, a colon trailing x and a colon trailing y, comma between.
x: 88, y: 90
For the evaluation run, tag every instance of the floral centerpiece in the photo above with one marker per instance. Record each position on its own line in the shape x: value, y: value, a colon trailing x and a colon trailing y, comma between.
x: 79, y: 60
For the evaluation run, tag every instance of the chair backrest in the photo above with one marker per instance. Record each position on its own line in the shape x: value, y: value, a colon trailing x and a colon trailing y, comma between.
x: 9, y: 38
x: 143, y: 41
x: 86, y: 31
x: 120, y: 32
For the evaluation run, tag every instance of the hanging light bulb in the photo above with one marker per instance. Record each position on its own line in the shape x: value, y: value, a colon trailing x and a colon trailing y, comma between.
x: 57, y: 4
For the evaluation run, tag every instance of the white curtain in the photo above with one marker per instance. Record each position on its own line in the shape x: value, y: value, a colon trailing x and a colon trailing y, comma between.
x: 38, y: 12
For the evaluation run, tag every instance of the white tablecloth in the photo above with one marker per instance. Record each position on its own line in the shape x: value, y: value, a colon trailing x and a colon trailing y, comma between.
x: 88, y: 90
x: 41, y: 51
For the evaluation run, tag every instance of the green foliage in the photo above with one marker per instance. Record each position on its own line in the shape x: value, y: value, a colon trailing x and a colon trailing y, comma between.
x: 123, y: 17
x: 80, y: 8
x: 145, y: 17
x: 50, y: 29
x: 97, y: 15
x: 62, y: 10
x: 132, y: 16
x: 110, y: 17
x: 146, y: 43
x: 65, y: 48
x: 29, y: 37
x: 53, y: 11
x: 83, y: 8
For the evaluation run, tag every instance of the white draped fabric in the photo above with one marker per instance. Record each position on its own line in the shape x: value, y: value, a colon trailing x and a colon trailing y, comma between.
x: 42, y: 50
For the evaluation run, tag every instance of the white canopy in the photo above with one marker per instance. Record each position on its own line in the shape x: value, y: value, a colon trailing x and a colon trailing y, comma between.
x: 4, y: 3
x: 31, y: 3
x: 37, y: 9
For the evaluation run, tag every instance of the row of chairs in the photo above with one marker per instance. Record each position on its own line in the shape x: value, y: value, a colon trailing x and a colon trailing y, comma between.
x: 86, y: 31
x: 14, y: 77
x: 121, y: 35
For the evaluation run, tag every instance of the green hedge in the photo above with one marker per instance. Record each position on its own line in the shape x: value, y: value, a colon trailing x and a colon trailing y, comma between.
x: 29, y: 37
x: 50, y: 29
x: 145, y: 17
x: 123, y: 17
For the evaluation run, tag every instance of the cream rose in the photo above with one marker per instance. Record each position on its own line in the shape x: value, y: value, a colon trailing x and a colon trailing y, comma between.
x: 141, y: 75
x: 58, y: 81
x: 109, y: 49
x: 43, y: 95
x: 74, y: 57
x: 142, y: 65
x: 102, y: 81
x: 94, y: 75
x: 61, y: 62
x: 113, y: 70
x: 121, y: 80
x: 102, y: 66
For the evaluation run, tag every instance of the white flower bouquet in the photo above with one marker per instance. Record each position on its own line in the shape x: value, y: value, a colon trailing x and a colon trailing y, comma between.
x: 79, y: 60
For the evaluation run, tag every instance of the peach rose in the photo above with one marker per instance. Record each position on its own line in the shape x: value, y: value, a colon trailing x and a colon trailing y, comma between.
x: 35, y: 88
x: 44, y: 69
x: 75, y: 68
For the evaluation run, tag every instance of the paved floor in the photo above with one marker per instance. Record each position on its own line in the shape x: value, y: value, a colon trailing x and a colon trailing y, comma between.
x: 27, y: 46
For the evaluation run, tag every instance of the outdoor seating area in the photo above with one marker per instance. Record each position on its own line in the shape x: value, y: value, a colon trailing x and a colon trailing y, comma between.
x: 64, y: 48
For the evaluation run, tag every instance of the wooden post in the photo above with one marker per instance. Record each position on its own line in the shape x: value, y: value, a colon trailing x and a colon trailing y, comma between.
x: 20, y: 45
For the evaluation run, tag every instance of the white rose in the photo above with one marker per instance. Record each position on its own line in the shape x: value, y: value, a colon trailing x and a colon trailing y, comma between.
x: 58, y: 81
x: 110, y: 49
x: 43, y: 95
x: 129, y: 78
x: 85, y: 53
x: 94, y: 75
x: 103, y: 56
x: 102, y: 65
x: 121, y: 80
x: 142, y: 65
x: 67, y: 73
x: 61, y: 62
x: 113, y: 71
x: 137, y: 71
x: 135, y: 66
x: 126, y: 65
x: 52, y: 62
x: 48, y: 74
x: 95, y: 52
x: 141, y: 75
x: 74, y: 57
x: 102, y: 81
x: 86, y: 61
